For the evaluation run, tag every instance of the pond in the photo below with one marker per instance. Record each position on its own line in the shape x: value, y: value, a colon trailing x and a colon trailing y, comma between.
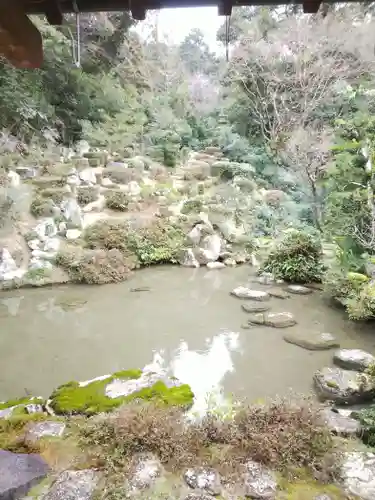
x: 186, y: 320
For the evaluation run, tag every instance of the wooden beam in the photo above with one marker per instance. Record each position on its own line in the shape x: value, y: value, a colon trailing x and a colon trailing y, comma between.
x: 53, y: 12
x: 311, y: 6
x: 20, y: 40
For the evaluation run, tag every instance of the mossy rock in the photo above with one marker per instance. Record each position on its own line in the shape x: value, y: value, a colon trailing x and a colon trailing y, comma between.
x: 117, y: 199
x: 56, y: 194
x: 49, y: 181
x: 71, y: 398
x: 357, y: 278
x: 41, y: 207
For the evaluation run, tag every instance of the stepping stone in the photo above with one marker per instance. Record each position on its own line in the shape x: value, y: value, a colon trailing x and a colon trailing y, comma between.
x: 204, y: 478
x: 255, y: 308
x: 74, y: 485
x: 259, y: 481
x: 353, y: 359
x: 312, y: 341
x: 299, y: 289
x: 276, y: 320
x: 279, y: 294
x: 39, y: 430
x: 243, y: 292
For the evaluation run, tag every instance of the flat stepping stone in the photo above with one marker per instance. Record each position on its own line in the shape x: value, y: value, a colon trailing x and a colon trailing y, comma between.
x: 47, y: 428
x: 299, y: 289
x: 278, y: 294
x: 276, y: 320
x: 255, y: 308
x: 312, y: 341
x: 353, y: 359
x: 242, y: 292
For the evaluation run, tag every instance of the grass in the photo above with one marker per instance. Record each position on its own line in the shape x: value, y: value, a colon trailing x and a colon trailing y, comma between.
x: 280, y: 435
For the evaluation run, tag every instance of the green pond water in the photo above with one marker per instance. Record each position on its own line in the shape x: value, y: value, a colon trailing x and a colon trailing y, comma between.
x: 186, y: 321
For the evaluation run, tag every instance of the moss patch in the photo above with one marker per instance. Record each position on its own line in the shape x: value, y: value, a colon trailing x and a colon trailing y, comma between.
x: 19, y: 401
x: 309, y: 490
x: 71, y: 398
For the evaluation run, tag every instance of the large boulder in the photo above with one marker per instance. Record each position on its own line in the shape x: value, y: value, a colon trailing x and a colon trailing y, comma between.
x: 19, y: 472
x: 358, y: 474
x: 353, y: 359
x: 187, y: 258
x: 74, y: 485
x: 343, y: 386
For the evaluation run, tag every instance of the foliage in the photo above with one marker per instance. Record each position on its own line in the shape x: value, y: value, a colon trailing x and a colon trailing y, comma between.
x: 86, y: 195
x: 95, y: 267
x: 253, y: 433
x: 117, y: 200
x: 157, y: 243
x: 297, y: 258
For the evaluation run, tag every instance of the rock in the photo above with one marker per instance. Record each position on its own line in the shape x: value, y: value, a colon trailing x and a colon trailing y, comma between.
x: 243, y: 292
x: 358, y: 474
x: 299, y: 289
x: 19, y: 472
x: 87, y: 176
x: 353, y: 359
x: 73, y: 234
x: 187, y: 258
x: 72, y: 213
x: 33, y: 244
x: 230, y: 231
x: 134, y: 188
x: 212, y: 246
x: 266, y: 279
x: 255, y: 308
x: 215, y: 265
x: 229, y: 262
x: 203, y: 478
x: 124, y: 387
x: 312, y: 341
x: 7, y: 412
x: 279, y: 294
x: 323, y: 497
x: 51, y: 245
x: 73, y: 485
x: 8, y: 266
x: 47, y: 428
x: 14, y: 179
x: 276, y: 320
x: 259, y: 481
x: 96, y: 205
x: 340, y: 424
x: 195, y: 235
x: 46, y: 229
x: 342, y: 386
x: 147, y: 468
x: 26, y: 172
x: 33, y: 408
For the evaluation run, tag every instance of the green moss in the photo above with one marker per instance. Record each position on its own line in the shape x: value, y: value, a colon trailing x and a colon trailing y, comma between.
x: 70, y: 398
x: 357, y: 278
x: 11, y: 430
x: 308, y: 490
x: 19, y: 401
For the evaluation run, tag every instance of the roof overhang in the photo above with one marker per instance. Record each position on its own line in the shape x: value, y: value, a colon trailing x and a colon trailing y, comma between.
x: 21, y: 43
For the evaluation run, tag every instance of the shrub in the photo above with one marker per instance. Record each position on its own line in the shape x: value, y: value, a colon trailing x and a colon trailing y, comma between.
x: 94, y: 267
x: 361, y: 305
x: 55, y: 194
x: 158, y: 243
x: 297, y: 258
x: 117, y: 200
x: 280, y: 435
x: 192, y: 206
x: 40, y: 206
x: 86, y: 195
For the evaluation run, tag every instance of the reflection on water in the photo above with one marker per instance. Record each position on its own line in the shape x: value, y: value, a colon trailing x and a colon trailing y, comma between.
x: 187, y: 319
x: 205, y: 371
